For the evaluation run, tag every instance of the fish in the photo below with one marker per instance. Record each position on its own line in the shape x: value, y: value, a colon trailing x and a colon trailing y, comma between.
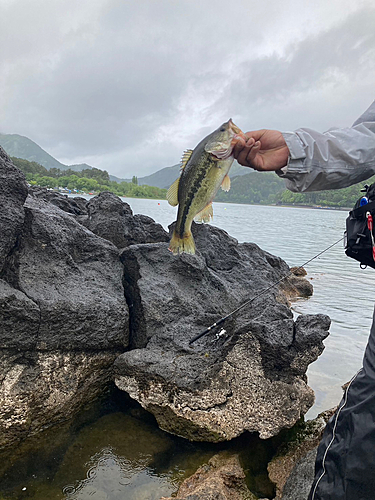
x: 203, y: 171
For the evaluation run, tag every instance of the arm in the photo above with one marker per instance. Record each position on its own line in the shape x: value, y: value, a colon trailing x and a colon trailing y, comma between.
x: 334, y: 159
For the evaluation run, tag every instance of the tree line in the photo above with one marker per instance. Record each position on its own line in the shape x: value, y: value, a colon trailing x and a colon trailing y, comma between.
x: 266, y: 188
x: 87, y: 180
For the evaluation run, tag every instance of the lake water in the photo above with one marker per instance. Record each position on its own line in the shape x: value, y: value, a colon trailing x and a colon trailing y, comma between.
x: 116, y: 451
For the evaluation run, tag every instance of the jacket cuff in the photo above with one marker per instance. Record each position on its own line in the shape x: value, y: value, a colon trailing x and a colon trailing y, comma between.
x: 295, y: 145
x: 296, y: 158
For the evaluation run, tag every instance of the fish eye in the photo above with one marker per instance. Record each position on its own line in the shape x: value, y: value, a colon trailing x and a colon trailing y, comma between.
x: 222, y: 129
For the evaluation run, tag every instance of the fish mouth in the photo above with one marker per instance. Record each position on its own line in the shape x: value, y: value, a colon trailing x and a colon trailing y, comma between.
x: 233, y: 128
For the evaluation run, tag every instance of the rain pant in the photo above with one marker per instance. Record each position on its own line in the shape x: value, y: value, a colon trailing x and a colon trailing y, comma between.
x: 345, y: 463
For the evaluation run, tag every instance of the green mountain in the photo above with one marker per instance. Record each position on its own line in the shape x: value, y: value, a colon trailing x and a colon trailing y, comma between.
x: 162, y: 178
x: 252, y: 187
x: 23, y: 147
x: 166, y: 176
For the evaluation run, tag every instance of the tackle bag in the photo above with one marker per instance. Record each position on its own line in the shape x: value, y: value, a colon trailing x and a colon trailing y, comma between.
x: 359, y: 237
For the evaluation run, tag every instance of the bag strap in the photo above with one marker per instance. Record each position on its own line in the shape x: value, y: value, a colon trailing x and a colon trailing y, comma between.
x: 357, y: 212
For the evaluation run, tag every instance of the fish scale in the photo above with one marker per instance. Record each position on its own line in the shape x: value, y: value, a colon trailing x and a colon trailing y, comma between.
x: 203, y: 171
x: 190, y: 199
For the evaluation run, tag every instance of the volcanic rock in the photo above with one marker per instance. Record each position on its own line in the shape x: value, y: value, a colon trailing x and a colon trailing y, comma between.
x: 74, y: 206
x: 63, y: 314
x: 13, y: 192
x: 222, y: 478
x: 292, y: 469
x: 113, y: 219
x: 249, y: 375
x: 65, y: 293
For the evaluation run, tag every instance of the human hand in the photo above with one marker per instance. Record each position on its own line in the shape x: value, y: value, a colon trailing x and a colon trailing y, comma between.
x: 262, y: 150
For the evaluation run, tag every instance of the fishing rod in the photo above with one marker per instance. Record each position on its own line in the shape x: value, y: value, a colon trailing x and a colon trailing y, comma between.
x: 262, y: 292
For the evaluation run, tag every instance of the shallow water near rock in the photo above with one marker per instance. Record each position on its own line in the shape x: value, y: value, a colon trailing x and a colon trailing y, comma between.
x: 115, y: 451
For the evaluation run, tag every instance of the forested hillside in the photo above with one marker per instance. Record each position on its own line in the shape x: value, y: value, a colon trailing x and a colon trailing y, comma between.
x: 91, y: 180
x: 267, y: 188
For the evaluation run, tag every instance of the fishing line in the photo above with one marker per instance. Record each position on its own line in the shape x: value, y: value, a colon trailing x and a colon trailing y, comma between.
x: 262, y: 292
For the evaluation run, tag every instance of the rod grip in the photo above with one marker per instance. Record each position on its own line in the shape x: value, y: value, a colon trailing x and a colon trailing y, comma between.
x: 207, y: 330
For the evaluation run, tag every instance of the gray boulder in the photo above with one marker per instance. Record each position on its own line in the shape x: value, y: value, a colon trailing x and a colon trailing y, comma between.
x: 298, y: 484
x: 72, y: 278
x: 63, y: 313
x: 112, y: 219
x: 249, y: 375
x: 13, y: 192
x: 74, y: 206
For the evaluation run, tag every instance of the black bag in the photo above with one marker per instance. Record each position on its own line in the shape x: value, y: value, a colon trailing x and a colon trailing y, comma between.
x: 359, y: 239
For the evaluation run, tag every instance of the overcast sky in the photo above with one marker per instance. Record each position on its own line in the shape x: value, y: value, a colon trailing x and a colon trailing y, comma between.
x: 126, y: 86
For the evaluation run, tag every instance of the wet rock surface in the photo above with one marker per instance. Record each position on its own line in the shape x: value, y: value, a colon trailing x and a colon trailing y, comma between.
x: 222, y: 478
x: 250, y: 376
x: 39, y: 389
x: 292, y: 468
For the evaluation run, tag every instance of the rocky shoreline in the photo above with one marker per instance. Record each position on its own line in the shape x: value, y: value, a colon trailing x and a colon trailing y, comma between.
x: 89, y: 294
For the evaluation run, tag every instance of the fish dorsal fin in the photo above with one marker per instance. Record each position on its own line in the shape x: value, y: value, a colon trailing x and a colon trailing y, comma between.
x: 206, y: 214
x: 225, y: 185
x: 186, y: 157
x: 172, y: 193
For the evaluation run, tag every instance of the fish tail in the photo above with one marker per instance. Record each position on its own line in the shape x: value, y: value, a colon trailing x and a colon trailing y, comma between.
x: 179, y: 245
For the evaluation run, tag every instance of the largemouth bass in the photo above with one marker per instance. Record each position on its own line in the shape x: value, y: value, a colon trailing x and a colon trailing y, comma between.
x: 203, y: 171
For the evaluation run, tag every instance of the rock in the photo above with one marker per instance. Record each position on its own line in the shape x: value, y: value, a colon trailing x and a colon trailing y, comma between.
x: 73, y: 279
x: 39, y: 389
x: 19, y: 319
x: 292, y: 468
x: 63, y: 313
x: 298, y: 271
x: 221, y: 479
x: 295, y: 287
x: 250, y: 376
x: 112, y: 219
x: 13, y: 192
x: 74, y: 206
x: 64, y: 318
x: 298, y: 484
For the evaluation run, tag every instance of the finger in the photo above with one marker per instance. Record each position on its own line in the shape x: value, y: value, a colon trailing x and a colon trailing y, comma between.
x: 238, y: 143
x: 253, y: 158
x: 255, y: 134
x: 243, y: 156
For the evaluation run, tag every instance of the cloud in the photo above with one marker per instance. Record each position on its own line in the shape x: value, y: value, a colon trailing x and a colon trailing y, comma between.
x: 127, y: 86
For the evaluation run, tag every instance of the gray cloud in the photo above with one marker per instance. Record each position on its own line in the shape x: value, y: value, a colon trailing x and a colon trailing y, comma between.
x: 127, y: 86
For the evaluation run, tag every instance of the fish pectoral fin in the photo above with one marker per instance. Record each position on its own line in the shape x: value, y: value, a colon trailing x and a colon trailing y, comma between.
x: 186, y: 157
x: 225, y: 185
x: 172, y: 193
x: 206, y: 214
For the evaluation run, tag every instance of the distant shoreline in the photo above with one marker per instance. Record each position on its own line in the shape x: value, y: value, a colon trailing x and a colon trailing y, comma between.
x: 311, y: 207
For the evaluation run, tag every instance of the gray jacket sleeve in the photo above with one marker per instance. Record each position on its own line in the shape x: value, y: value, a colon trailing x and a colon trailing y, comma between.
x: 335, y: 159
